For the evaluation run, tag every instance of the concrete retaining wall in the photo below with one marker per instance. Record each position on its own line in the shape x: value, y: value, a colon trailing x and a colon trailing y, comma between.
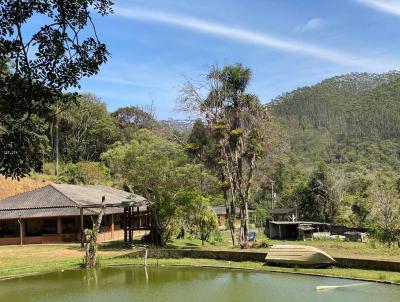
x: 239, y: 256
x: 379, y: 265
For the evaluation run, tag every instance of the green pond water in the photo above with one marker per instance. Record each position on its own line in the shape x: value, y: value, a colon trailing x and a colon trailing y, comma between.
x: 132, y: 283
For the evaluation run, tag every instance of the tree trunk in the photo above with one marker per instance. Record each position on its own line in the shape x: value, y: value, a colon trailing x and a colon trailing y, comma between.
x: 229, y: 205
x: 245, y: 226
x: 202, y: 232
x: 91, y: 238
x: 56, y: 142
x: 245, y: 202
x: 157, y: 233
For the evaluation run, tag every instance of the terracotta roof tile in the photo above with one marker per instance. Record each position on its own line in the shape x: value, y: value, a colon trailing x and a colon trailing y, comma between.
x: 64, y: 200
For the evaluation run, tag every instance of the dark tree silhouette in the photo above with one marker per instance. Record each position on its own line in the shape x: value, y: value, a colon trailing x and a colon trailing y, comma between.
x: 36, y: 69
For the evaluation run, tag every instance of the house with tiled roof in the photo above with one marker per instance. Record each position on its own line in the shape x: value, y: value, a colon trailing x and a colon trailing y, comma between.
x: 60, y: 212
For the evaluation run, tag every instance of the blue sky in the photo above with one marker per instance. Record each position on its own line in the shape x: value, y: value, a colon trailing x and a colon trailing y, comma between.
x: 157, y: 45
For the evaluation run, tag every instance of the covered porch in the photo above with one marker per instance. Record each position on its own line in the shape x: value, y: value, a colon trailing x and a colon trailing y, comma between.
x: 60, y: 213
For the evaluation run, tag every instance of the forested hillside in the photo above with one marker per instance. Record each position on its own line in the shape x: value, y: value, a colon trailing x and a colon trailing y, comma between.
x: 355, y: 106
x: 344, y: 134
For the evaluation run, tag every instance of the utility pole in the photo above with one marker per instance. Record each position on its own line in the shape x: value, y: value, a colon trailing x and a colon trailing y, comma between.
x: 272, y: 194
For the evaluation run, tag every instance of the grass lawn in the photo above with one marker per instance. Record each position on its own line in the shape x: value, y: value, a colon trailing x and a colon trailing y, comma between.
x: 357, y: 250
x: 19, y: 260
x: 16, y: 260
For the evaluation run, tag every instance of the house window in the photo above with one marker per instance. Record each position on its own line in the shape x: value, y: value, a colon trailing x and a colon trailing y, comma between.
x: 9, y: 228
x: 32, y: 227
x: 68, y: 225
x: 49, y: 226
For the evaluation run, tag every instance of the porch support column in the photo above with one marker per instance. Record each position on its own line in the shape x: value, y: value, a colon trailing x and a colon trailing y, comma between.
x: 125, y: 226
x: 112, y: 226
x: 138, y: 217
x: 81, y: 216
x: 130, y: 213
x: 147, y: 217
x: 21, y: 231
x: 59, y: 226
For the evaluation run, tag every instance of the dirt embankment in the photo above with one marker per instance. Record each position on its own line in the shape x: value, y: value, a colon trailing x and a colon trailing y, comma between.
x: 10, y: 187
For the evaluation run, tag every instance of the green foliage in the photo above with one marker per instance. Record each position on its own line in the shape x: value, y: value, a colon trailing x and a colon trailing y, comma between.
x: 160, y: 170
x: 130, y: 119
x: 385, y: 220
x: 201, y: 145
x: 350, y: 123
x: 360, y: 213
x: 313, y: 197
x: 237, y: 132
x: 263, y: 243
x: 35, y: 70
x: 88, y: 173
x: 261, y: 216
x: 23, y: 145
x: 199, y: 218
x: 86, y: 130
x: 236, y: 137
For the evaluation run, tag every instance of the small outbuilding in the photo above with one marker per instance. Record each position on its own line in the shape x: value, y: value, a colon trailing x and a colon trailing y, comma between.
x: 60, y: 212
x: 295, y: 229
x: 220, y: 211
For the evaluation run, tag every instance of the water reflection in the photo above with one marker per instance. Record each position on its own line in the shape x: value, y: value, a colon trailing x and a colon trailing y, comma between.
x: 90, y: 279
x: 183, y: 284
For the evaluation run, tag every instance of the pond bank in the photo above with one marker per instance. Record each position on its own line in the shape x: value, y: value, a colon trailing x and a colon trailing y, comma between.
x: 256, y: 267
x: 247, y: 255
x: 16, y: 261
x: 343, y: 273
x: 182, y: 282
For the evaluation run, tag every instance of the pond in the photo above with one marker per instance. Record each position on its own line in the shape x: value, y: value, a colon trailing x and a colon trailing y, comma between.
x: 135, y: 283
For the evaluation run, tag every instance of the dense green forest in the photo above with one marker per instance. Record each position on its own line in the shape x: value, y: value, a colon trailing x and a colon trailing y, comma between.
x: 343, y: 136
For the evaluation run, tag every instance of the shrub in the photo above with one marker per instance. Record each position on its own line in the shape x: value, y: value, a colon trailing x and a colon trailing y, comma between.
x: 263, y: 243
x: 89, y: 173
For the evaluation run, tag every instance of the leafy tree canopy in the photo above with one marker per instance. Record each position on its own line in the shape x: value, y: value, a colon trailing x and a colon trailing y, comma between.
x: 86, y: 130
x: 36, y: 69
x: 161, y: 171
x: 130, y: 119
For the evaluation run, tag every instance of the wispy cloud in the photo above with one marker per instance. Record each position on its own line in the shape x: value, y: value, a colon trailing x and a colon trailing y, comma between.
x: 115, y: 80
x: 310, y: 25
x: 248, y: 36
x: 388, y: 6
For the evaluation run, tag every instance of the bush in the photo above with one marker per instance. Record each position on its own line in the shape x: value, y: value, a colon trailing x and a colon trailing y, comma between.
x: 385, y: 222
x: 89, y: 173
x: 263, y: 243
x: 216, y: 237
